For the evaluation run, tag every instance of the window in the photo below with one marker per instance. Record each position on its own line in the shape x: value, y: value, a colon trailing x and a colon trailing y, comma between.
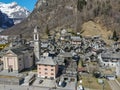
x: 19, y: 64
x: 46, y: 73
x: 39, y: 72
x: 51, y: 78
x: 52, y: 69
x: 19, y: 59
x: 45, y: 68
x: 51, y: 65
x: 36, y: 37
x: 52, y: 73
x: 39, y: 68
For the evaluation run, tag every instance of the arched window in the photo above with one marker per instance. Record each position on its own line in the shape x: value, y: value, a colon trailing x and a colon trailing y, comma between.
x: 35, y: 37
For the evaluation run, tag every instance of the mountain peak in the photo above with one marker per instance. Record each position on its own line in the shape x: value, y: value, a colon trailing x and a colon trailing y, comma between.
x: 13, y: 3
x: 14, y: 11
x: 11, y: 13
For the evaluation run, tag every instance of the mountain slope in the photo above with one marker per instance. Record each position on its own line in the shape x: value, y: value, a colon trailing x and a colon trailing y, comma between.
x: 14, y: 11
x: 57, y: 14
x: 5, y: 21
x: 91, y: 29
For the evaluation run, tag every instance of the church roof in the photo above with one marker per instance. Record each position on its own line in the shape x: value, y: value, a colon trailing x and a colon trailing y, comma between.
x: 47, y: 61
x: 17, y: 50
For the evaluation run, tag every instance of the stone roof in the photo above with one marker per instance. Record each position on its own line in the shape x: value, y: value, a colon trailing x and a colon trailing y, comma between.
x: 44, y: 45
x: 21, y: 50
x: 66, y: 54
x: 76, y: 38
x: 110, y: 55
x: 47, y: 61
x: 17, y: 50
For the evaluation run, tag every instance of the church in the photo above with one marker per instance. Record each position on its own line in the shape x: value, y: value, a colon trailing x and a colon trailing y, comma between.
x: 19, y: 57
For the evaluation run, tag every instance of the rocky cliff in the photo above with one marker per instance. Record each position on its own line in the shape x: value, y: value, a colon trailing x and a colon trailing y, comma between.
x: 5, y: 21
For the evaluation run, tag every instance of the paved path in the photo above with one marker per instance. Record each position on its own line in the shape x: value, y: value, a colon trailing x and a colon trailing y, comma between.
x: 16, y: 87
x: 114, y: 85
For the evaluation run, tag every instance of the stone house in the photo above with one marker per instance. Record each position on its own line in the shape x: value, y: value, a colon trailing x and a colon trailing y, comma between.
x: 75, y: 40
x: 109, y: 59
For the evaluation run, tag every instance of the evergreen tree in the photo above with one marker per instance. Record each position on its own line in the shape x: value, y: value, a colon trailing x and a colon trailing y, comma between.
x: 47, y: 31
x: 115, y: 37
x: 81, y: 4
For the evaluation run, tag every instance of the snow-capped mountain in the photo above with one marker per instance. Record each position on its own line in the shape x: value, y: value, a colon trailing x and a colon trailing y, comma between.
x: 14, y: 11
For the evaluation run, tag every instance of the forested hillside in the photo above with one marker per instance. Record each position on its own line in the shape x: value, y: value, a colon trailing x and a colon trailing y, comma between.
x: 72, y: 14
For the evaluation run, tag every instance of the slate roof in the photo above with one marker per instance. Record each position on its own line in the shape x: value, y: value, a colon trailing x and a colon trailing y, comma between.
x: 76, y: 38
x: 111, y: 55
x: 66, y: 54
x: 44, y: 45
x: 47, y: 61
x: 17, y: 50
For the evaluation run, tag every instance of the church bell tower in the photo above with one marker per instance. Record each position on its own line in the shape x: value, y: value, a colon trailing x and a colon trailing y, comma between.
x: 36, y: 44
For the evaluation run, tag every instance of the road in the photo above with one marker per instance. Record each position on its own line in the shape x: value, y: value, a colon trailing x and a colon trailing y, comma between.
x: 114, y: 85
x: 17, y: 87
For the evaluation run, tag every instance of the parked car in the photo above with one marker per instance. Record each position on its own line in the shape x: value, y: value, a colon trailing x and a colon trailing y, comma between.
x: 63, y: 84
x: 40, y: 81
x: 110, y: 77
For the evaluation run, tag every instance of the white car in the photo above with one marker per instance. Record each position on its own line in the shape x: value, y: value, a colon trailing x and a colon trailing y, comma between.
x: 81, y: 87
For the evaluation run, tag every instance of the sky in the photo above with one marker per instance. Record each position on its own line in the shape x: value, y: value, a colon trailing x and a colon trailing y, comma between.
x: 29, y: 4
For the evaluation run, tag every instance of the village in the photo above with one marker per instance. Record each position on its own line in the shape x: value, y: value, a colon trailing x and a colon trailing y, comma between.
x: 65, y: 62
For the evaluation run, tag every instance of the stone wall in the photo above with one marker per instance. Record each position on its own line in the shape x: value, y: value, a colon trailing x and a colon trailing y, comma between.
x: 11, y: 81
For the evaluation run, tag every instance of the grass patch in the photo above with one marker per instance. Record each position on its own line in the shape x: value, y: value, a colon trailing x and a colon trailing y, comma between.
x: 92, y: 83
x: 2, y: 76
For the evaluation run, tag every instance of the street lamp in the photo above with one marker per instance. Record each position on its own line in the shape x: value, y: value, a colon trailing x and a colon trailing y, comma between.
x: 4, y: 85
